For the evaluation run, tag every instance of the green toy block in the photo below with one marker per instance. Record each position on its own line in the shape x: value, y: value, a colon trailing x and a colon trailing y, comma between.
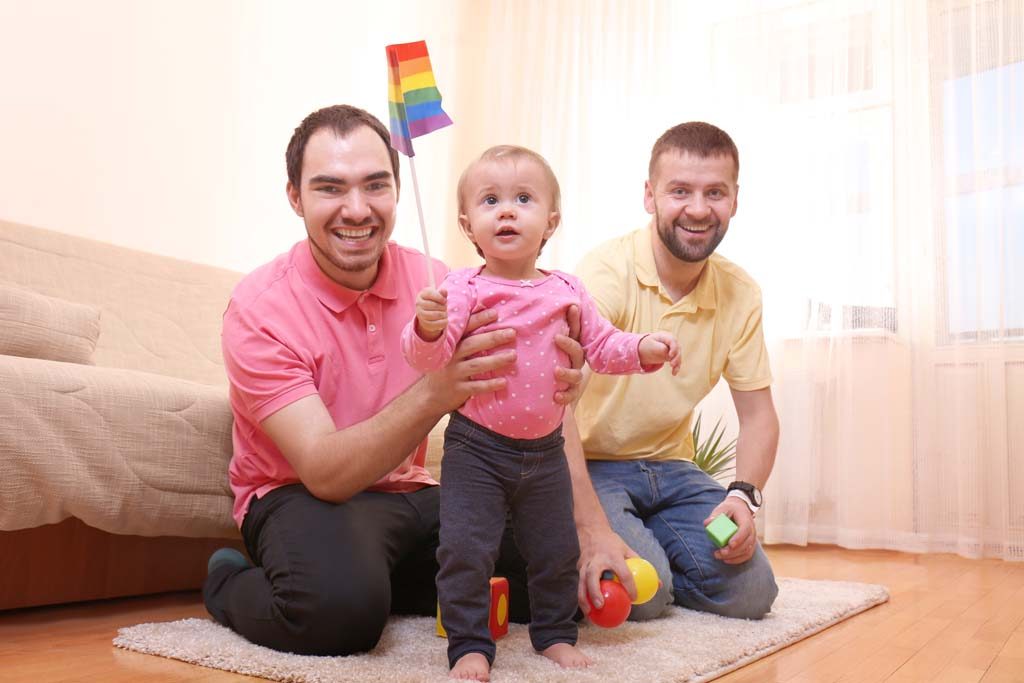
x: 721, y: 530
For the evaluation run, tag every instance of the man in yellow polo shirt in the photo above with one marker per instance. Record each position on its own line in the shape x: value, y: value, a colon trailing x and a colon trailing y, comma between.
x: 636, y: 429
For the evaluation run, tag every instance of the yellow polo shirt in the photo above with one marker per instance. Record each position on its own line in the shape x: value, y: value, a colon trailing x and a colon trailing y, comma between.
x: 718, y: 325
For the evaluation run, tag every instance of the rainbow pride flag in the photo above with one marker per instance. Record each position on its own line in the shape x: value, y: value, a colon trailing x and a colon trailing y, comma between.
x: 414, y: 101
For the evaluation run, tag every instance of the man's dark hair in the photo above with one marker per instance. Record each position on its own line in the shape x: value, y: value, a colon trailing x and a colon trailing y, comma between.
x: 697, y: 138
x: 342, y: 119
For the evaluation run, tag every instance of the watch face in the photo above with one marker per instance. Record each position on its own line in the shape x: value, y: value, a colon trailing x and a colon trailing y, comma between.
x: 752, y: 492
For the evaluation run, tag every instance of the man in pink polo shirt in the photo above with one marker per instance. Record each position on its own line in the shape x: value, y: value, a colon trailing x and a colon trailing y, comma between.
x: 331, y: 495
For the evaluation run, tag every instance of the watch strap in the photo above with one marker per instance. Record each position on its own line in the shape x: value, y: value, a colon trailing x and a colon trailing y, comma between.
x: 736, y: 493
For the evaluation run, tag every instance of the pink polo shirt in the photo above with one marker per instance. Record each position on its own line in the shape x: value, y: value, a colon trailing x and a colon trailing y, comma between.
x: 290, y: 331
x: 538, y: 310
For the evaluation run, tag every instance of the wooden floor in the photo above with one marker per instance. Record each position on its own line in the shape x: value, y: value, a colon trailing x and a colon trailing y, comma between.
x: 949, y: 619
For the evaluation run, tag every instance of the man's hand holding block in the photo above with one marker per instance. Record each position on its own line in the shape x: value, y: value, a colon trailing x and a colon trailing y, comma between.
x: 721, y: 530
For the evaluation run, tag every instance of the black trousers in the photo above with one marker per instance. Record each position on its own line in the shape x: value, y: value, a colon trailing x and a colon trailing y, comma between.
x: 328, y: 575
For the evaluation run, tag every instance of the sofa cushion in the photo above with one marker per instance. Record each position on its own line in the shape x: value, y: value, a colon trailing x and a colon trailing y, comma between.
x: 126, y: 452
x: 160, y: 314
x: 33, y: 325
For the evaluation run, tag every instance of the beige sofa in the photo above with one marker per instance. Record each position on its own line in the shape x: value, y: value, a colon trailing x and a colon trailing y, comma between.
x: 115, y: 428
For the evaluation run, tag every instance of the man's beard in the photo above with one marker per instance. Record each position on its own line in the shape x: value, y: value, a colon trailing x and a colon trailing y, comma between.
x: 350, y: 264
x: 354, y: 265
x: 686, y: 252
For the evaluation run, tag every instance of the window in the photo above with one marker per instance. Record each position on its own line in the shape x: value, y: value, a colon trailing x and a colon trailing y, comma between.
x: 819, y: 77
x: 978, y: 84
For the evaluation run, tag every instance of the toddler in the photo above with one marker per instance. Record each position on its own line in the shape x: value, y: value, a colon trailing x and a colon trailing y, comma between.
x: 503, y: 451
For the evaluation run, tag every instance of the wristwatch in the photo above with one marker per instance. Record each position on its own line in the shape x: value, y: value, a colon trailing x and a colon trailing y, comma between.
x: 748, y: 493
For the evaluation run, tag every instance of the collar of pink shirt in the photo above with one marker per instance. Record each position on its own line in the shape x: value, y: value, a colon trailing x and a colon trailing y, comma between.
x: 338, y: 297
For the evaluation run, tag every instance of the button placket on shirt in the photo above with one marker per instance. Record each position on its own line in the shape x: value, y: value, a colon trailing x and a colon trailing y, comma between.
x: 370, y: 306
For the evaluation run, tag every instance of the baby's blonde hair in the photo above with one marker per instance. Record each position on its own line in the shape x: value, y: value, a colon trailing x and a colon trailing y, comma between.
x: 511, y: 153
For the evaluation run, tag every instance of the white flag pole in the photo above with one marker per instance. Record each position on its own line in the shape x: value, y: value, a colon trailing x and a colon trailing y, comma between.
x: 423, y: 225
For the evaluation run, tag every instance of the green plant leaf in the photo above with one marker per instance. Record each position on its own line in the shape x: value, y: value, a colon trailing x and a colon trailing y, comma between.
x: 710, y: 455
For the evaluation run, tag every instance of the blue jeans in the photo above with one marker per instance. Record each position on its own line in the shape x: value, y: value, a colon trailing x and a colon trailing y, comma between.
x: 658, y: 508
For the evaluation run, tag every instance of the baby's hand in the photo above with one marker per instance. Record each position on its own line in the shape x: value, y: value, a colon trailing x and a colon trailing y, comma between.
x: 431, y: 313
x: 660, y: 347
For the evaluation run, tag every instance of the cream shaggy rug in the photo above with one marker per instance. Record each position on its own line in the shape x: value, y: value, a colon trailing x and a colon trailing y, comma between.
x: 685, y: 646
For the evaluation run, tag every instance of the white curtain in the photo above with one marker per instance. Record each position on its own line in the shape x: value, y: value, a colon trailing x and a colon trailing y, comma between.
x: 898, y: 320
x: 881, y: 209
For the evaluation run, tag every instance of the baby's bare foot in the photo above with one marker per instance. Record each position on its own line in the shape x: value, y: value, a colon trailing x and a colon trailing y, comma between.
x: 472, y: 667
x: 566, y: 655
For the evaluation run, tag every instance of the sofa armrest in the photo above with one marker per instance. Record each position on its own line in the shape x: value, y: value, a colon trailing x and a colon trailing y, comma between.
x: 124, y: 451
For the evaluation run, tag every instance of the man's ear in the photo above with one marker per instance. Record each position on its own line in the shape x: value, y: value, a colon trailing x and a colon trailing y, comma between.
x: 735, y: 201
x: 648, y: 197
x: 294, y: 198
x: 554, y: 218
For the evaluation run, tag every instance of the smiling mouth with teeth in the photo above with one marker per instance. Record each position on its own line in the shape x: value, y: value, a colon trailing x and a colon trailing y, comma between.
x: 353, y: 234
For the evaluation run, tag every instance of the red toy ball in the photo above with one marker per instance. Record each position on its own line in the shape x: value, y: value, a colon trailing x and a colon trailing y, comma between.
x: 616, y: 605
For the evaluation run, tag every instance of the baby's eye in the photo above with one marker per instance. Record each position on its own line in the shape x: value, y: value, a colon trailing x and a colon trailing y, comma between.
x: 523, y: 198
x: 490, y: 200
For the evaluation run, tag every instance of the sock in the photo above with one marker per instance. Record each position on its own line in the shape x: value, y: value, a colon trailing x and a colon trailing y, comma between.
x: 226, y: 556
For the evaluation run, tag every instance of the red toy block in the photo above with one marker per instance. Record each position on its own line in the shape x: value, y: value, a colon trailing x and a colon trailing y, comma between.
x: 498, y: 620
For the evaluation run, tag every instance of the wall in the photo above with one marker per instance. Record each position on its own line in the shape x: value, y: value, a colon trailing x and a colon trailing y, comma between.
x: 162, y: 126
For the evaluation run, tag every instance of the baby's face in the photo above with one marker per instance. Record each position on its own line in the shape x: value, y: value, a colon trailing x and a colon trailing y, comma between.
x: 507, y: 209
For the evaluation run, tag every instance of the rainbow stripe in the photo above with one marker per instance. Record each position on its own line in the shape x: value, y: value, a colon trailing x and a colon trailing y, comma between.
x: 414, y: 102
